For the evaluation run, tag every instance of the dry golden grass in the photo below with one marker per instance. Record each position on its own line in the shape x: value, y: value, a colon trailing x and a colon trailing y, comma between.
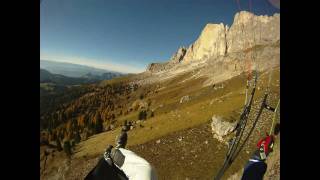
x: 125, y: 78
x: 174, y: 116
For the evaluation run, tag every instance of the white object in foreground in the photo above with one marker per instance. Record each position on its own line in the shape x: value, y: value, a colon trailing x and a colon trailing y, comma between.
x: 137, y: 168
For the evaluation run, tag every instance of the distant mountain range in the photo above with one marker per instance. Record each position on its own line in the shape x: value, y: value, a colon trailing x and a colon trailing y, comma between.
x: 61, y: 80
x: 53, y: 85
x: 76, y: 70
x: 48, y: 77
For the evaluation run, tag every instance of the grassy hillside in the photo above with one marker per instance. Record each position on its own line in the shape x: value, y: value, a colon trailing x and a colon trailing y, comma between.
x: 174, y: 120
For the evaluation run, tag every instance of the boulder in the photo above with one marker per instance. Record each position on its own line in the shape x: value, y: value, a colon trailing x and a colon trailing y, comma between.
x: 221, y: 128
x: 184, y: 99
x: 139, y: 104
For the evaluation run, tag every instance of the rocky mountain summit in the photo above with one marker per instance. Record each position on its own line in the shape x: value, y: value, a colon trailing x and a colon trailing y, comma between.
x: 220, y: 52
x: 174, y: 60
x: 211, y: 43
x: 249, y: 30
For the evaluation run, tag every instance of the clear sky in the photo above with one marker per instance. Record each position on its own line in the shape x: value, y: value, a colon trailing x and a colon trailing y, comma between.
x: 127, y: 35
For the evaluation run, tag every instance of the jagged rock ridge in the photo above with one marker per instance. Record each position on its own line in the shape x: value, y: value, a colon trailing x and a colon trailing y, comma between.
x: 218, y: 40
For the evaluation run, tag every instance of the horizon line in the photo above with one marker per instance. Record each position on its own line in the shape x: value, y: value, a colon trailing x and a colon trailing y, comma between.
x: 95, y: 64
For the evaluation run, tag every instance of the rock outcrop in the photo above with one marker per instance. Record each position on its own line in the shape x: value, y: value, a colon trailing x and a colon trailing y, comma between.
x: 139, y: 104
x: 178, y: 56
x: 184, y: 99
x: 211, y: 43
x: 155, y: 67
x: 247, y: 32
x: 221, y: 128
x: 220, y: 53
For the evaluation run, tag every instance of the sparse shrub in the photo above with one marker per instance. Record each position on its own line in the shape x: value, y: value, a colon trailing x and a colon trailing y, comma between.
x: 149, y: 102
x: 135, y: 106
x: 73, y: 143
x: 59, y: 148
x: 53, y: 137
x: 77, y: 137
x: 142, y: 115
x: 67, y: 148
x: 98, y: 125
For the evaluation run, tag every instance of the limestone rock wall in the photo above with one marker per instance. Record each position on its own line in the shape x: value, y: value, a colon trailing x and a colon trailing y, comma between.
x: 211, y: 42
x: 230, y: 48
x: 249, y: 30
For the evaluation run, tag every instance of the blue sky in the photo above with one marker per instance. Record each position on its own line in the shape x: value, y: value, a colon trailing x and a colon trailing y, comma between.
x: 127, y: 35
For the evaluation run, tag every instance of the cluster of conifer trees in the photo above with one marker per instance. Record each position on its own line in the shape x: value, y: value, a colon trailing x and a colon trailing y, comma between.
x: 78, y: 114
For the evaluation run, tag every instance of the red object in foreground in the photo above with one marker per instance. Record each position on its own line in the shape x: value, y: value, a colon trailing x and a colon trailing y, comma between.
x: 267, y: 143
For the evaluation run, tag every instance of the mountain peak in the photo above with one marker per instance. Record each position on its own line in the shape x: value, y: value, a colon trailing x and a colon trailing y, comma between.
x: 217, y: 42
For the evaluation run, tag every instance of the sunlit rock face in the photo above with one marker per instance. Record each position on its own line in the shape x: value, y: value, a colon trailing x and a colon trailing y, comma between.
x: 251, y: 43
x: 179, y: 55
x: 249, y: 30
x: 211, y: 42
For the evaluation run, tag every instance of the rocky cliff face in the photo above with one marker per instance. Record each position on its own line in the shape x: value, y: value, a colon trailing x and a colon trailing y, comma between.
x: 154, y: 67
x: 211, y: 43
x: 247, y: 32
x: 175, y: 59
x: 179, y: 55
